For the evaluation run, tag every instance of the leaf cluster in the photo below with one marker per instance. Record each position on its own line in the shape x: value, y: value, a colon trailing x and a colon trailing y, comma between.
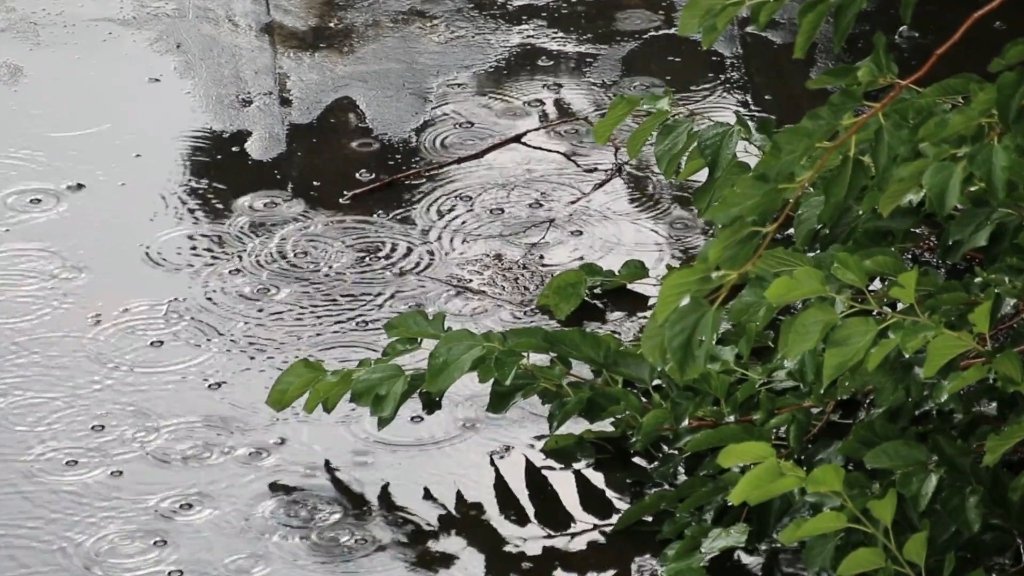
x: 839, y: 367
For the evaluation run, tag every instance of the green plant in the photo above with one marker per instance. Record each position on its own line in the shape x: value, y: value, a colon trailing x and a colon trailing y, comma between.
x: 839, y: 368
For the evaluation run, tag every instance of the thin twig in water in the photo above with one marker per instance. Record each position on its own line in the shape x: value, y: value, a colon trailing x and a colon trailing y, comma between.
x: 475, y: 291
x: 426, y: 170
x: 613, y: 173
x: 560, y: 153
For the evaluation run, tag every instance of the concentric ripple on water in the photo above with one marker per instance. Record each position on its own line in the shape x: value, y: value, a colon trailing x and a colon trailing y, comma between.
x: 414, y: 430
x: 357, y: 251
x: 126, y: 551
x: 31, y: 266
x: 195, y: 442
x: 184, y: 249
x: 154, y: 337
x: 68, y: 463
x: 262, y: 213
x: 447, y: 137
x: 186, y: 506
x: 51, y: 365
x: 30, y: 202
x: 637, y: 20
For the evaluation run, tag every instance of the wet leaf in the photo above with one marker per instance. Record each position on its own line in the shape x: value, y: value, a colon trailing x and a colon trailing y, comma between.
x: 884, y: 509
x: 416, y: 324
x: 916, y: 548
x: 328, y: 390
x: 997, y: 444
x: 766, y: 481
x: 804, y: 283
x: 745, y: 453
x: 294, y: 383
x: 846, y: 16
x: 376, y: 381
x: 1012, y: 55
x: 564, y: 293
x: 850, y: 269
x: 942, y: 349
x: 879, y: 352
x: 722, y: 539
x: 674, y: 140
x: 981, y: 317
x: 943, y: 183
x: 906, y: 289
x: 804, y: 528
x: 897, y: 455
x: 452, y: 359
x: 650, y: 504
x: 862, y: 560
x: 826, y: 478
x: 808, y: 330
x: 725, y: 435
x: 638, y: 138
x: 846, y: 346
x: 620, y: 109
x: 654, y: 424
x: 685, y: 282
x: 810, y: 18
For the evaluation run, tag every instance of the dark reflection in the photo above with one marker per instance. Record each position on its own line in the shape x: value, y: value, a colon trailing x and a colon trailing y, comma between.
x: 775, y: 81
x: 681, y: 63
x: 414, y: 535
x: 334, y: 154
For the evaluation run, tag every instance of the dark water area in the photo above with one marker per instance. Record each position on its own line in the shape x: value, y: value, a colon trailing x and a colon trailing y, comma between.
x: 176, y: 228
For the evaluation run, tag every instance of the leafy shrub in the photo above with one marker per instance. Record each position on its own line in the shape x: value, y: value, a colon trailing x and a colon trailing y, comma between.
x: 838, y: 369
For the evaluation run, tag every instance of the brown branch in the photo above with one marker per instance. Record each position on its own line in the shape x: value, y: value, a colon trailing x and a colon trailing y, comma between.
x: 417, y: 172
x: 613, y: 173
x: 901, y: 85
x: 824, y: 419
x: 745, y: 419
x: 560, y: 153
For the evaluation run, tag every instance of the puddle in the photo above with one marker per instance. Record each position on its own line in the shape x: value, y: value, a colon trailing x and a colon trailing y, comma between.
x: 177, y: 223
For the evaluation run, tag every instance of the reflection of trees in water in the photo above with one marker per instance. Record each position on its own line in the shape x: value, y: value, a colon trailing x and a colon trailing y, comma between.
x: 415, y: 536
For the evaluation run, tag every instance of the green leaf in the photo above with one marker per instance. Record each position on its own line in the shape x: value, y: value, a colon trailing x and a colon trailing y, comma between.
x: 991, y: 163
x: 846, y: 346
x: 804, y: 283
x: 652, y: 426
x: 884, y: 509
x: 416, y: 324
x: 826, y: 478
x: 693, y: 14
x: 689, y: 281
x: 807, y: 330
x: 973, y: 509
x: 904, y: 185
x: 942, y: 349
x: 564, y: 293
x: 811, y: 16
x: 1012, y: 55
x: 377, y: 381
x: 689, y: 336
x: 838, y: 76
x: 1008, y: 364
x: 804, y: 528
x: 652, y: 503
x: 849, y: 269
x: 745, y: 453
x: 943, y: 183
x: 846, y: 16
x: 620, y: 109
x: 674, y: 140
x: 819, y: 553
x: 879, y: 352
x: 725, y: 435
x: 907, y: 10
x: 897, y: 455
x: 997, y: 444
x: 779, y: 260
x: 1009, y: 95
x: 960, y: 380
x: 1016, y: 490
x: 916, y: 548
x: 636, y: 141
x: 328, y: 391
x: 981, y: 317
x: 452, y: 359
x: 294, y: 383
x: 761, y: 13
x: 722, y: 539
x: 633, y: 271
x: 862, y: 560
x: 906, y: 289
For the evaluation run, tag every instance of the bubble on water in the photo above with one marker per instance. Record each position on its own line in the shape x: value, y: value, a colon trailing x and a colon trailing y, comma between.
x: 637, y: 20
x: 68, y: 463
x: 126, y: 551
x: 188, y: 506
x: 268, y: 206
x: 365, y: 145
x: 155, y: 337
x: 291, y: 516
x: 254, y: 455
x: 30, y: 202
x: 365, y: 175
x: 545, y: 61
x: 639, y: 86
x: 342, y: 541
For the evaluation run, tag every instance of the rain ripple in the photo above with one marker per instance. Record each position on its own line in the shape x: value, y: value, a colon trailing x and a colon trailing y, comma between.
x: 126, y: 551
x: 414, y: 430
x: 30, y: 203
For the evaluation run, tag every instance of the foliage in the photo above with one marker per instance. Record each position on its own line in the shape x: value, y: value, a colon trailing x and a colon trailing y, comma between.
x: 838, y: 369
